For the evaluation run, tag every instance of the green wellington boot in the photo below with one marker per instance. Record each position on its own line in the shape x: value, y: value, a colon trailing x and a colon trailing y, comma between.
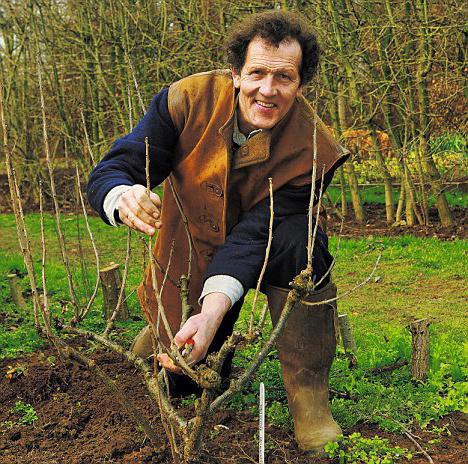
x: 306, y: 350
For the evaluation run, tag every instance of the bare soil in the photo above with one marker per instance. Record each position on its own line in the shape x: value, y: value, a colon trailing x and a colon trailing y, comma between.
x: 80, y: 422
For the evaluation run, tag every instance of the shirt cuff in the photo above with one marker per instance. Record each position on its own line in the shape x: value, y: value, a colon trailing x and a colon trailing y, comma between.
x: 226, y: 284
x: 112, y: 200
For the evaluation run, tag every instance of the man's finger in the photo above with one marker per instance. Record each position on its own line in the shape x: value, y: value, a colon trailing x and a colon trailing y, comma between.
x: 129, y: 217
x: 197, y: 354
x: 145, y: 207
x: 186, y: 332
x: 168, y: 364
x: 151, y: 205
x: 143, y: 216
x: 154, y: 197
x: 137, y: 224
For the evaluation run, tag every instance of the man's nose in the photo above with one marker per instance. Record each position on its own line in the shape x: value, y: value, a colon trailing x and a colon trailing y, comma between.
x: 268, y: 88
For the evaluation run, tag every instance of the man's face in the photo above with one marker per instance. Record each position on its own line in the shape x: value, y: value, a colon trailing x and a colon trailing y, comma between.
x: 268, y: 83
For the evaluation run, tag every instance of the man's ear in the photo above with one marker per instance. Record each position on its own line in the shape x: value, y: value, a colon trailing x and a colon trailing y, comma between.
x: 235, y: 77
x: 299, y: 91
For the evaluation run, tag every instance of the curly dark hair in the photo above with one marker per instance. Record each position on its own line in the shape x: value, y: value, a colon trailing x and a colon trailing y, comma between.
x: 274, y: 26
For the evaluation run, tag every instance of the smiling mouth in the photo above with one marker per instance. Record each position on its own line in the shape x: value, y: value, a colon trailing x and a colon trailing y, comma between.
x: 265, y: 104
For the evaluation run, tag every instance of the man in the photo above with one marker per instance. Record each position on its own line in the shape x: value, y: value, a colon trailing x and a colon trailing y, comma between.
x: 221, y: 135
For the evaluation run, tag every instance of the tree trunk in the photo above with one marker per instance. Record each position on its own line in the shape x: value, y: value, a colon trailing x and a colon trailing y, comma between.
x: 111, y: 283
x: 344, y: 204
x: 409, y: 210
x: 420, y: 349
x: 401, y: 200
x: 354, y: 189
x: 410, y: 195
x: 15, y: 292
x: 347, y: 338
x: 387, y: 179
x: 409, y: 215
x: 425, y: 59
x: 348, y: 166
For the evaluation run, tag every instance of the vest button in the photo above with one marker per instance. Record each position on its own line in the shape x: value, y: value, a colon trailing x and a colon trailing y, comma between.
x: 207, y: 254
x: 214, y: 189
x: 244, y: 150
x: 209, y: 221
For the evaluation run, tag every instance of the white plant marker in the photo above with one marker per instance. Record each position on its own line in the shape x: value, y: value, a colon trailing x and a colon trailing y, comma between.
x: 261, y: 426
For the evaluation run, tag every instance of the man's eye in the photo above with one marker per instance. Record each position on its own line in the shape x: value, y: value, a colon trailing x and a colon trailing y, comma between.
x: 285, y: 77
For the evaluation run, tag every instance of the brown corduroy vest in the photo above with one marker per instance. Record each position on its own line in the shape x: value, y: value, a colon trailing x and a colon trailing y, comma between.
x: 214, y: 185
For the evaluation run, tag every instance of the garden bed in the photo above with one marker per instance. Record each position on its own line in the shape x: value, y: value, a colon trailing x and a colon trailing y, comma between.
x: 79, y: 421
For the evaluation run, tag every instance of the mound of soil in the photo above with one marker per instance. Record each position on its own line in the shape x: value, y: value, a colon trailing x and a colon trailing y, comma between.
x: 80, y: 422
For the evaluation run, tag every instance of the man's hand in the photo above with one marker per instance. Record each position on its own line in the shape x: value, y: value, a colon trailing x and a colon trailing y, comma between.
x: 201, y: 328
x: 140, y: 212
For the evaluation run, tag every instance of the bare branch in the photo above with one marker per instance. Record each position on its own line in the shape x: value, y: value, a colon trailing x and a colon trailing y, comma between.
x: 112, y: 386
x: 135, y: 82
x: 88, y: 145
x: 265, y: 261
x: 45, y: 303
x: 66, y: 263
x: 139, y: 363
x: 168, y: 428
x: 120, y: 300
x: 154, y: 279
x: 186, y: 227
x: 21, y: 229
x: 186, y: 307
x: 236, y: 385
x: 175, y: 355
x: 202, y: 408
x: 348, y: 292
x: 262, y: 317
x: 314, y: 234
x: 26, y: 248
x: 332, y: 265
x: 130, y: 108
x: 312, y: 189
x: 93, y: 243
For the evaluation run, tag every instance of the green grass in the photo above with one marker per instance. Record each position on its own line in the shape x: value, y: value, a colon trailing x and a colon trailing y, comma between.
x: 417, y: 277
x: 356, y: 449
x: 24, y: 413
x: 374, y: 194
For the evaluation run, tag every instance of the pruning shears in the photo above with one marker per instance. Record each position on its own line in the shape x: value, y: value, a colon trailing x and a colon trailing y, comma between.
x: 188, y: 347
